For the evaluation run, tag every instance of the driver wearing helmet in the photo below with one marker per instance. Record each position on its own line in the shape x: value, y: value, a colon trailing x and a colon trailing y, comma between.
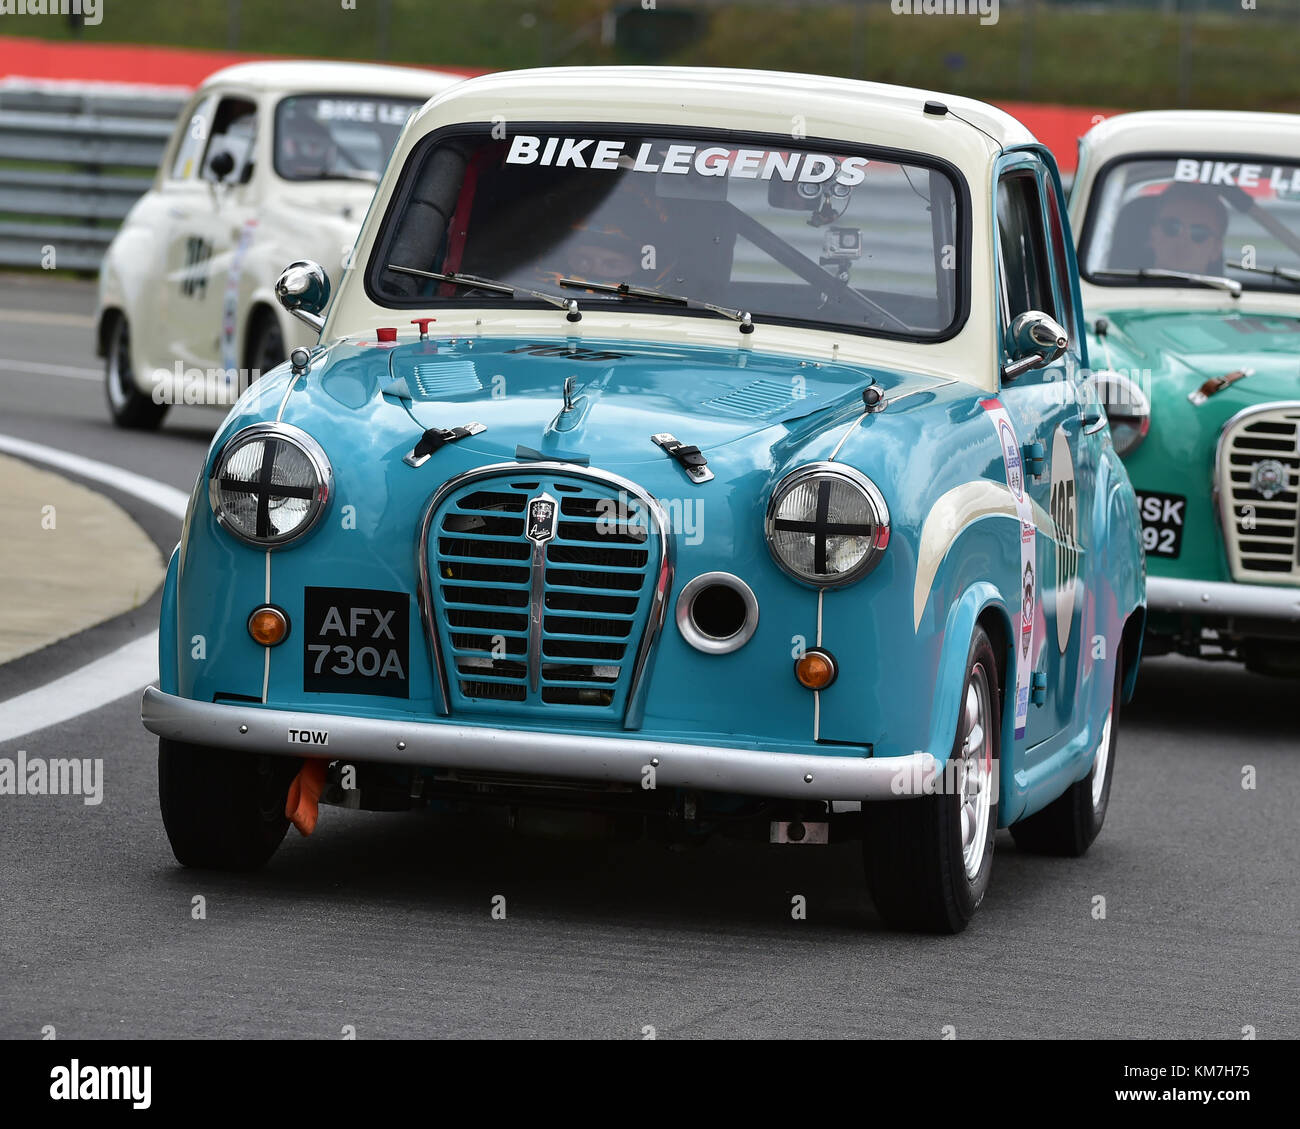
x: 307, y: 148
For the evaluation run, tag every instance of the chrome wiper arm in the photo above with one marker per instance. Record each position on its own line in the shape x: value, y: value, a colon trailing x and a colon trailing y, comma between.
x: 1287, y: 274
x: 473, y: 282
x: 1214, y: 281
x: 626, y: 290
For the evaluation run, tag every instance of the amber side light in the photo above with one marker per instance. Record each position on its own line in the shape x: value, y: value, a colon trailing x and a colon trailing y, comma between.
x: 816, y: 669
x: 268, y: 626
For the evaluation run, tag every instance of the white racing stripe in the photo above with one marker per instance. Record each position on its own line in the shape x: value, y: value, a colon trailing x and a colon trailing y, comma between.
x: 124, y: 671
x: 37, y: 368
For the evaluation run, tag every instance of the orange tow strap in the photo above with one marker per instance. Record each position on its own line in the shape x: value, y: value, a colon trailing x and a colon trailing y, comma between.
x: 303, y: 804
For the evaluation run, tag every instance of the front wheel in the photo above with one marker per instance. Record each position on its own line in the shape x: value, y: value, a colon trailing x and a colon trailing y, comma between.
x: 129, y: 407
x: 1069, y: 824
x: 928, y: 860
x: 222, y: 809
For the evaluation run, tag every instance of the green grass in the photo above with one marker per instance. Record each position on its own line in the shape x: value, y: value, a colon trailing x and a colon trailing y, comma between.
x: 1075, y: 55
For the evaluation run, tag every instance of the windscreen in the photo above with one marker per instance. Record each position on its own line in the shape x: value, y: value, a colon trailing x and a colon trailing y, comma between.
x: 1196, y: 214
x: 338, y: 136
x: 785, y: 233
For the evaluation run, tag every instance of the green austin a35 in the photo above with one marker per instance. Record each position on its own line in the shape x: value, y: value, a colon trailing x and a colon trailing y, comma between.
x: 1189, y: 250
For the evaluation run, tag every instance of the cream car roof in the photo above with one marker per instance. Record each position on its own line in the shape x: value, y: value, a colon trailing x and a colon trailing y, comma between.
x: 295, y: 76
x: 763, y: 101
x: 792, y: 105
x: 1197, y: 131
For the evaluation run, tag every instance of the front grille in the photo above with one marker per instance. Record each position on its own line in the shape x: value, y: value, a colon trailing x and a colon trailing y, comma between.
x: 598, y: 574
x: 1262, y: 534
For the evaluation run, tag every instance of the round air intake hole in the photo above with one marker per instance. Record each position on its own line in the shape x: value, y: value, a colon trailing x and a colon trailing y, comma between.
x: 717, y: 613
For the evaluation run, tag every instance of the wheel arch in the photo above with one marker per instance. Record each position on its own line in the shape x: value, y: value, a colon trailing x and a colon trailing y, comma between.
x: 980, y: 605
x: 104, y: 326
x: 261, y: 307
x: 1131, y: 651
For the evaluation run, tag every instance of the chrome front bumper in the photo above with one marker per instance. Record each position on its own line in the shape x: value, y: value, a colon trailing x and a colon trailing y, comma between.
x: 1209, y: 597
x: 711, y: 768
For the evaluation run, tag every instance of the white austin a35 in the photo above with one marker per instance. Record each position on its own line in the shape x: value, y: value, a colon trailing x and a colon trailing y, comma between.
x: 268, y: 161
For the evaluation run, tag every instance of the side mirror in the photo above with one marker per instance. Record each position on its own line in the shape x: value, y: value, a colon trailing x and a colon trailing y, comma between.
x: 304, y: 290
x: 221, y: 165
x: 1036, y: 341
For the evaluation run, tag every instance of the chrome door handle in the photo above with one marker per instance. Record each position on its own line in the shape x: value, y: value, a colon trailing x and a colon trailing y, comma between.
x: 1093, y: 423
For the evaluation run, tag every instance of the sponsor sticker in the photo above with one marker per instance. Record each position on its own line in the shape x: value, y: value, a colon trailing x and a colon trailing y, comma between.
x: 1065, y: 516
x: 230, y: 358
x: 379, y: 113
x: 686, y: 159
x: 356, y: 641
x: 1282, y: 179
x: 1028, y: 547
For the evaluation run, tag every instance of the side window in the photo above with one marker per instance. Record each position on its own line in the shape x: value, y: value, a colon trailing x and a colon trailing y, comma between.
x: 1056, y: 232
x: 1026, y: 268
x: 233, y: 130
x: 197, y: 130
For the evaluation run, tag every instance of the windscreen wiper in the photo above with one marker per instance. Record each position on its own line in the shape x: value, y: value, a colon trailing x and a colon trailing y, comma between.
x: 361, y: 177
x: 1214, y: 281
x: 626, y: 290
x: 473, y: 282
x: 1287, y: 274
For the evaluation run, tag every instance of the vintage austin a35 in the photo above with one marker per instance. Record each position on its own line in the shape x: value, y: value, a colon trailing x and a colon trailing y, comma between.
x: 673, y: 459
x: 1189, y: 230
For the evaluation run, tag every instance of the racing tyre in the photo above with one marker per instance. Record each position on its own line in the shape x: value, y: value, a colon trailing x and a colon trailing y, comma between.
x: 928, y: 860
x: 265, y: 345
x: 223, y: 810
x: 129, y: 407
x: 1069, y: 824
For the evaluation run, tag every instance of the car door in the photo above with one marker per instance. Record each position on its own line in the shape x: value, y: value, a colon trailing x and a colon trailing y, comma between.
x: 181, y: 195
x: 1043, y: 410
x: 206, y: 235
x: 1072, y: 470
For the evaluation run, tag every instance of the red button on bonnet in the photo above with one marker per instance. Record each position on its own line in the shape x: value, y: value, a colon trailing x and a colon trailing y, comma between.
x: 386, y: 334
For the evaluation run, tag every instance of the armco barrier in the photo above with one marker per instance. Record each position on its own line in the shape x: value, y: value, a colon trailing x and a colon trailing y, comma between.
x: 72, y: 162
x: 75, y: 157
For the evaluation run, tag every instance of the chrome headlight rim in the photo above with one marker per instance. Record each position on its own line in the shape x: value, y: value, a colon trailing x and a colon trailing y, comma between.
x: 1125, y: 405
x: 870, y: 492
x: 304, y: 444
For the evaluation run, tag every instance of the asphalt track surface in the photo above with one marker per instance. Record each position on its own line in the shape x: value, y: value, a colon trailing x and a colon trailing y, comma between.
x: 384, y: 922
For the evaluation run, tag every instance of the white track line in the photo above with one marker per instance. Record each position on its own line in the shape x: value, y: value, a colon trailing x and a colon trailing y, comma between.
x: 121, y: 672
x: 125, y: 670
x: 149, y: 490
x: 47, y: 317
x: 36, y: 368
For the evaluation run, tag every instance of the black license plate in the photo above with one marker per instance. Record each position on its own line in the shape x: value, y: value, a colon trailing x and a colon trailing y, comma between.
x: 356, y: 641
x: 1162, y: 522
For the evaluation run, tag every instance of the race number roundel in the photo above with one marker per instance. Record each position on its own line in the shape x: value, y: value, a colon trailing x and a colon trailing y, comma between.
x: 1065, y: 516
